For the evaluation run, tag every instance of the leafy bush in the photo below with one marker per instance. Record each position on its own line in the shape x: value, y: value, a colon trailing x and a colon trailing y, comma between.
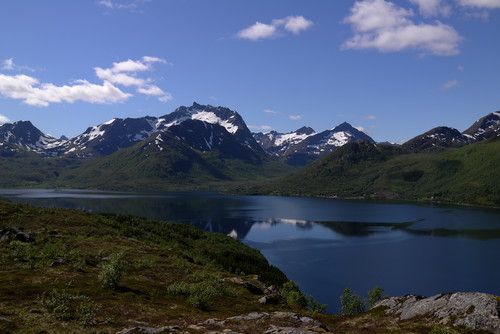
x: 314, y: 306
x: 201, y: 289
x: 291, y: 292
x: 86, y: 311
x: 375, y: 295
x: 439, y: 330
x: 351, y: 303
x: 67, y: 306
x: 112, y: 271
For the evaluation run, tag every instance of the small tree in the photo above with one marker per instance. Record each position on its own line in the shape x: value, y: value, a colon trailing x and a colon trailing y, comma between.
x: 291, y: 292
x: 351, y: 303
x: 112, y: 271
x: 375, y: 295
x: 314, y: 305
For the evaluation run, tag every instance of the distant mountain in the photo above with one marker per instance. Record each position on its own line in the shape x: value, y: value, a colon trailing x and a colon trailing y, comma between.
x: 278, y: 144
x: 23, y: 135
x: 438, y: 138
x: 229, y: 119
x: 485, y: 127
x: 116, y: 134
x: 443, y: 137
x: 303, y: 146
x: 469, y: 174
x: 209, y: 147
x: 167, y: 161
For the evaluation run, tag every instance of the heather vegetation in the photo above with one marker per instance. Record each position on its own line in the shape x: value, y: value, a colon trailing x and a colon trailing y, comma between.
x: 71, y: 271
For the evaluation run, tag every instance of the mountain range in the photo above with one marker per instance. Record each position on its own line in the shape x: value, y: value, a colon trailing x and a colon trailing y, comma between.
x: 202, y: 127
x: 201, y: 146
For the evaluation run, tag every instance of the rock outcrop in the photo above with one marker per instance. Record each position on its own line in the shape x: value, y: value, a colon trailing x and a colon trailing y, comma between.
x: 255, y: 322
x: 9, y: 234
x: 470, y: 309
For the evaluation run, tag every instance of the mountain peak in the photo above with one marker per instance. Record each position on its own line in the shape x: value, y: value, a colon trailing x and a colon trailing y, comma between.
x: 305, y: 130
x: 485, y: 127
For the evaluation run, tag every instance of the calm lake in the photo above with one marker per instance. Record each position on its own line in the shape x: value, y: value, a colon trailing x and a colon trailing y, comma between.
x: 326, y: 245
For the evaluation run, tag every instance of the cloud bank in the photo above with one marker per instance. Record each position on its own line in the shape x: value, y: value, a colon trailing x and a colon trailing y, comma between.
x: 386, y: 27
x: 488, y: 4
x: 35, y: 93
x: 278, y: 27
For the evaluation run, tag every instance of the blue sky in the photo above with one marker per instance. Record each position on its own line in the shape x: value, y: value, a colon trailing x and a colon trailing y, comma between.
x: 393, y: 68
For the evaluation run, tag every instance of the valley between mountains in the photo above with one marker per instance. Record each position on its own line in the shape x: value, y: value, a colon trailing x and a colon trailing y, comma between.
x: 211, y: 148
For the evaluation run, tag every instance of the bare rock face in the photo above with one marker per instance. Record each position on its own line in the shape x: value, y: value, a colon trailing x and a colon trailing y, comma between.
x: 470, y: 309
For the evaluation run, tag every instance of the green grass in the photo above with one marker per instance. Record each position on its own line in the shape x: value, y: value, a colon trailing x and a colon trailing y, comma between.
x: 56, y: 283
x: 467, y: 175
x: 170, y: 274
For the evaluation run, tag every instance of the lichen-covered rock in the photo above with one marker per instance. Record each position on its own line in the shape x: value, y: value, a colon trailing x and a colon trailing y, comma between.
x: 149, y: 330
x: 9, y: 234
x: 470, y: 309
x: 289, y: 330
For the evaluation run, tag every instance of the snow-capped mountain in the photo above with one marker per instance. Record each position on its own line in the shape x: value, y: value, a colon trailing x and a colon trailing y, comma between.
x: 444, y: 137
x: 439, y: 137
x: 485, y: 127
x: 206, y: 128
x: 229, y: 119
x: 304, y: 145
x: 114, y: 135
x: 106, y: 138
x: 23, y: 134
x: 278, y: 143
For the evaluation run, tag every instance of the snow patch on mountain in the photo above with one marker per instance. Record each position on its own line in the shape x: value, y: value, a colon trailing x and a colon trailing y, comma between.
x: 290, y: 138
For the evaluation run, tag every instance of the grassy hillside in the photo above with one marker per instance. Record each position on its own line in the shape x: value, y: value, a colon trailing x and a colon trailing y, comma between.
x: 66, y: 271
x: 468, y: 175
x: 25, y: 170
x: 168, y: 164
x: 170, y: 271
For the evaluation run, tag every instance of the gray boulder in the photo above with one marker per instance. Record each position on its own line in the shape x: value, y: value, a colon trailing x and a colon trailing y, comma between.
x: 473, y: 310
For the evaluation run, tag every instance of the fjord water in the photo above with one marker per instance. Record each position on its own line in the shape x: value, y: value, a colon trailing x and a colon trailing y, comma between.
x: 326, y: 245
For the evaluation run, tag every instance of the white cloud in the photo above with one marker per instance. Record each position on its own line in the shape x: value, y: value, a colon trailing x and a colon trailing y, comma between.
x: 9, y: 65
x: 151, y: 90
x: 295, y: 117
x: 370, y: 117
x: 165, y: 97
x: 432, y: 7
x: 261, y: 127
x: 4, y: 119
x: 360, y: 128
x: 258, y: 31
x: 293, y: 24
x: 125, y: 73
x: 148, y: 59
x: 450, y: 84
x: 155, y: 91
x: 491, y: 4
x: 118, y: 78
x: 383, y: 26
x: 269, y: 111
x: 34, y: 93
x: 131, y: 6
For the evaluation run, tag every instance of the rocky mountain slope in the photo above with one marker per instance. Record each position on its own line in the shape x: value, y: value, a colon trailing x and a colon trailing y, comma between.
x: 116, y: 134
x: 445, y: 137
x: 304, y: 145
